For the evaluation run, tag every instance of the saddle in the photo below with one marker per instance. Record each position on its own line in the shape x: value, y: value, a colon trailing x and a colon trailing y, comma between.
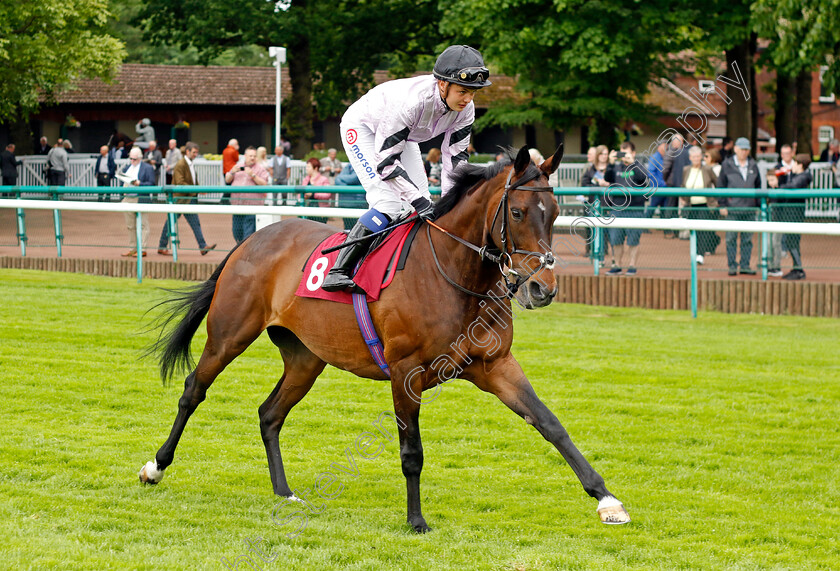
x: 375, y: 271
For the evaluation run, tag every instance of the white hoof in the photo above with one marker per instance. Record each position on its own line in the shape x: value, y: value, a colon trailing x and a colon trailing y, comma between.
x: 612, y: 512
x: 149, y: 474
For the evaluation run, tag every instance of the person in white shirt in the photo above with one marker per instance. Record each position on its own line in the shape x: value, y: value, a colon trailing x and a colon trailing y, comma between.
x: 173, y: 155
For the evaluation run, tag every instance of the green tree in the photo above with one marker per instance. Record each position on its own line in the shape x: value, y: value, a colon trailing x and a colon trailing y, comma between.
x: 333, y: 47
x: 46, y: 46
x: 804, y: 34
x: 577, y: 61
x: 127, y: 25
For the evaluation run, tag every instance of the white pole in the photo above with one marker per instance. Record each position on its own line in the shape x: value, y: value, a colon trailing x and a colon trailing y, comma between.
x: 279, y: 55
x: 277, y: 105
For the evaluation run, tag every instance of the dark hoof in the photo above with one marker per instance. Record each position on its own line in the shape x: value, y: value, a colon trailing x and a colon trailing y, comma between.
x: 419, y: 525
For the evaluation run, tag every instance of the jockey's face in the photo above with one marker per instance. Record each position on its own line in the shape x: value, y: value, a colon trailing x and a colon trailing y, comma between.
x: 457, y: 97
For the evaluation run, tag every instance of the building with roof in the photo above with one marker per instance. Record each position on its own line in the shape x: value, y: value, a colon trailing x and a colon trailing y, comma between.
x: 220, y: 103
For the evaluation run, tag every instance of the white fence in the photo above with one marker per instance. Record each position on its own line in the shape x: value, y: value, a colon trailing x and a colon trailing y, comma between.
x: 209, y: 173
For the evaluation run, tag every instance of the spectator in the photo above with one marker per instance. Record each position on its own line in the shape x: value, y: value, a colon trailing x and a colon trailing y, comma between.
x: 697, y: 176
x: 145, y: 133
x: 173, y: 157
x: 43, y: 147
x: 9, y: 164
x: 433, y: 166
x: 105, y: 168
x: 591, y: 155
x: 712, y: 158
x: 739, y: 171
x: 58, y: 166
x: 248, y: 173
x: 139, y: 174
x: 119, y: 152
x: 184, y: 175
x: 594, y: 176
x: 262, y: 158
x: 794, y: 210
x: 287, y: 147
x: 68, y: 146
x: 331, y: 166
x: 656, y: 162
x: 676, y: 159
x: 230, y: 157
x: 153, y: 157
x: 831, y: 153
x: 314, y: 177
x: 726, y: 149
x: 782, y: 175
x: 626, y: 174
x: 281, y: 166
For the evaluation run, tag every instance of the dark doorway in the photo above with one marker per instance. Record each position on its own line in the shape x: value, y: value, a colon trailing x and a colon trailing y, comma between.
x: 91, y: 135
x: 246, y: 132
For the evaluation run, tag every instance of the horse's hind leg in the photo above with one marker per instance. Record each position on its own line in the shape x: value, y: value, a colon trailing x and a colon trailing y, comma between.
x: 300, y: 369
x: 214, y: 359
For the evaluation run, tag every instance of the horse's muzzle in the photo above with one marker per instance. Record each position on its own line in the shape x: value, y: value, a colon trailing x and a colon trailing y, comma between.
x: 537, y: 295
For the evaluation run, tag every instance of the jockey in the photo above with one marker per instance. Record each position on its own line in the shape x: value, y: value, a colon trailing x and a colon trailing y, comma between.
x: 381, y: 132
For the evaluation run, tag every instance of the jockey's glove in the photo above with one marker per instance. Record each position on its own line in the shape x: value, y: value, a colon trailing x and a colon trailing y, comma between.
x: 424, y: 207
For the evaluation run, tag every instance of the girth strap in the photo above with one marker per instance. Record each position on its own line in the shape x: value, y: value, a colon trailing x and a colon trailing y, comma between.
x: 365, y: 321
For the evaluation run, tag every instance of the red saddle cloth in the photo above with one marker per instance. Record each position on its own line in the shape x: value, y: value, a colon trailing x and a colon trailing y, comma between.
x: 374, y: 274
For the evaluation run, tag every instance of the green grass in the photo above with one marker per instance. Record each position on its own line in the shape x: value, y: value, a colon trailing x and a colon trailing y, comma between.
x: 719, y: 434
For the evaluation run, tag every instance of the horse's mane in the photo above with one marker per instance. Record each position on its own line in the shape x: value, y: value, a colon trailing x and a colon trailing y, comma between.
x: 467, y: 175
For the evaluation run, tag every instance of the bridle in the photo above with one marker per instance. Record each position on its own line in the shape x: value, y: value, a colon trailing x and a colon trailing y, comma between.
x: 501, y: 256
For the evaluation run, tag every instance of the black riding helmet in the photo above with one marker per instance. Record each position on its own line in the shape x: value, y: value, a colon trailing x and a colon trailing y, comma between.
x: 462, y: 65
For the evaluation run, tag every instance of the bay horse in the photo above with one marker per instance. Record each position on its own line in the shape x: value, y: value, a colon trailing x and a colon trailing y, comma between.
x: 497, y: 223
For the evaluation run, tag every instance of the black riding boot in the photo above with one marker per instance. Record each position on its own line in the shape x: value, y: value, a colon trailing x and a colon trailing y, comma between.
x: 338, y: 278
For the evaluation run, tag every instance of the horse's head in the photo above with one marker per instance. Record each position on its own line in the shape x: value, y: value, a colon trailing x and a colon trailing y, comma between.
x: 519, y: 223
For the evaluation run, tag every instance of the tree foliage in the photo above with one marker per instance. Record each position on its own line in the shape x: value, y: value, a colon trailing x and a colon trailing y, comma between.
x: 578, y: 60
x: 46, y: 46
x: 805, y: 34
x: 333, y: 47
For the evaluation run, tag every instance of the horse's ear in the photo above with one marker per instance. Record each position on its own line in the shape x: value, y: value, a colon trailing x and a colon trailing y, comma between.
x: 551, y: 165
x: 523, y: 159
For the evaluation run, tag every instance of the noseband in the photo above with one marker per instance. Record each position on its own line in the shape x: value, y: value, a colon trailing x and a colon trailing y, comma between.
x: 501, y: 256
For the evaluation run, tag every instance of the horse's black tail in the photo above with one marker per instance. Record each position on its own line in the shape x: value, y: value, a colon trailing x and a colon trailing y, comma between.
x: 173, y: 344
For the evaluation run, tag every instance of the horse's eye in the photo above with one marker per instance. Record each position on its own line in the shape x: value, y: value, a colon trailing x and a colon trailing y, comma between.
x: 516, y: 214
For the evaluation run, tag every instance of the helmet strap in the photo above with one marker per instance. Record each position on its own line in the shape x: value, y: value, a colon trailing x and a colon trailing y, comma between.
x: 444, y: 95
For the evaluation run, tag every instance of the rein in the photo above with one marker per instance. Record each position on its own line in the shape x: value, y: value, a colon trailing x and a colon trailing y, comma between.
x: 504, y: 256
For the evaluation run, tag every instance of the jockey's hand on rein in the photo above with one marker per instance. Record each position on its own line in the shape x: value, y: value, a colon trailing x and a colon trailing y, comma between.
x: 424, y: 207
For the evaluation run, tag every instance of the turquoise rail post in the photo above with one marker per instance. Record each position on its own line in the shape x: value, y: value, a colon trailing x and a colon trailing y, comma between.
x: 57, y: 222
x: 765, y: 242
x: 138, y: 228
x: 693, y: 251
x: 173, y: 227
x: 597, y: 242
x: 21, y: 219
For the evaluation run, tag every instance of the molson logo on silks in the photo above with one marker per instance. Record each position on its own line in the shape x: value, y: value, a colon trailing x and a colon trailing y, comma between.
x: 359, y: 155
x: 351, y: 136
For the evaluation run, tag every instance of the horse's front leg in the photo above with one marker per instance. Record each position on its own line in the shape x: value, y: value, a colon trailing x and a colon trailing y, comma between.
x: 505, y: 379
x: 406, y: 392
